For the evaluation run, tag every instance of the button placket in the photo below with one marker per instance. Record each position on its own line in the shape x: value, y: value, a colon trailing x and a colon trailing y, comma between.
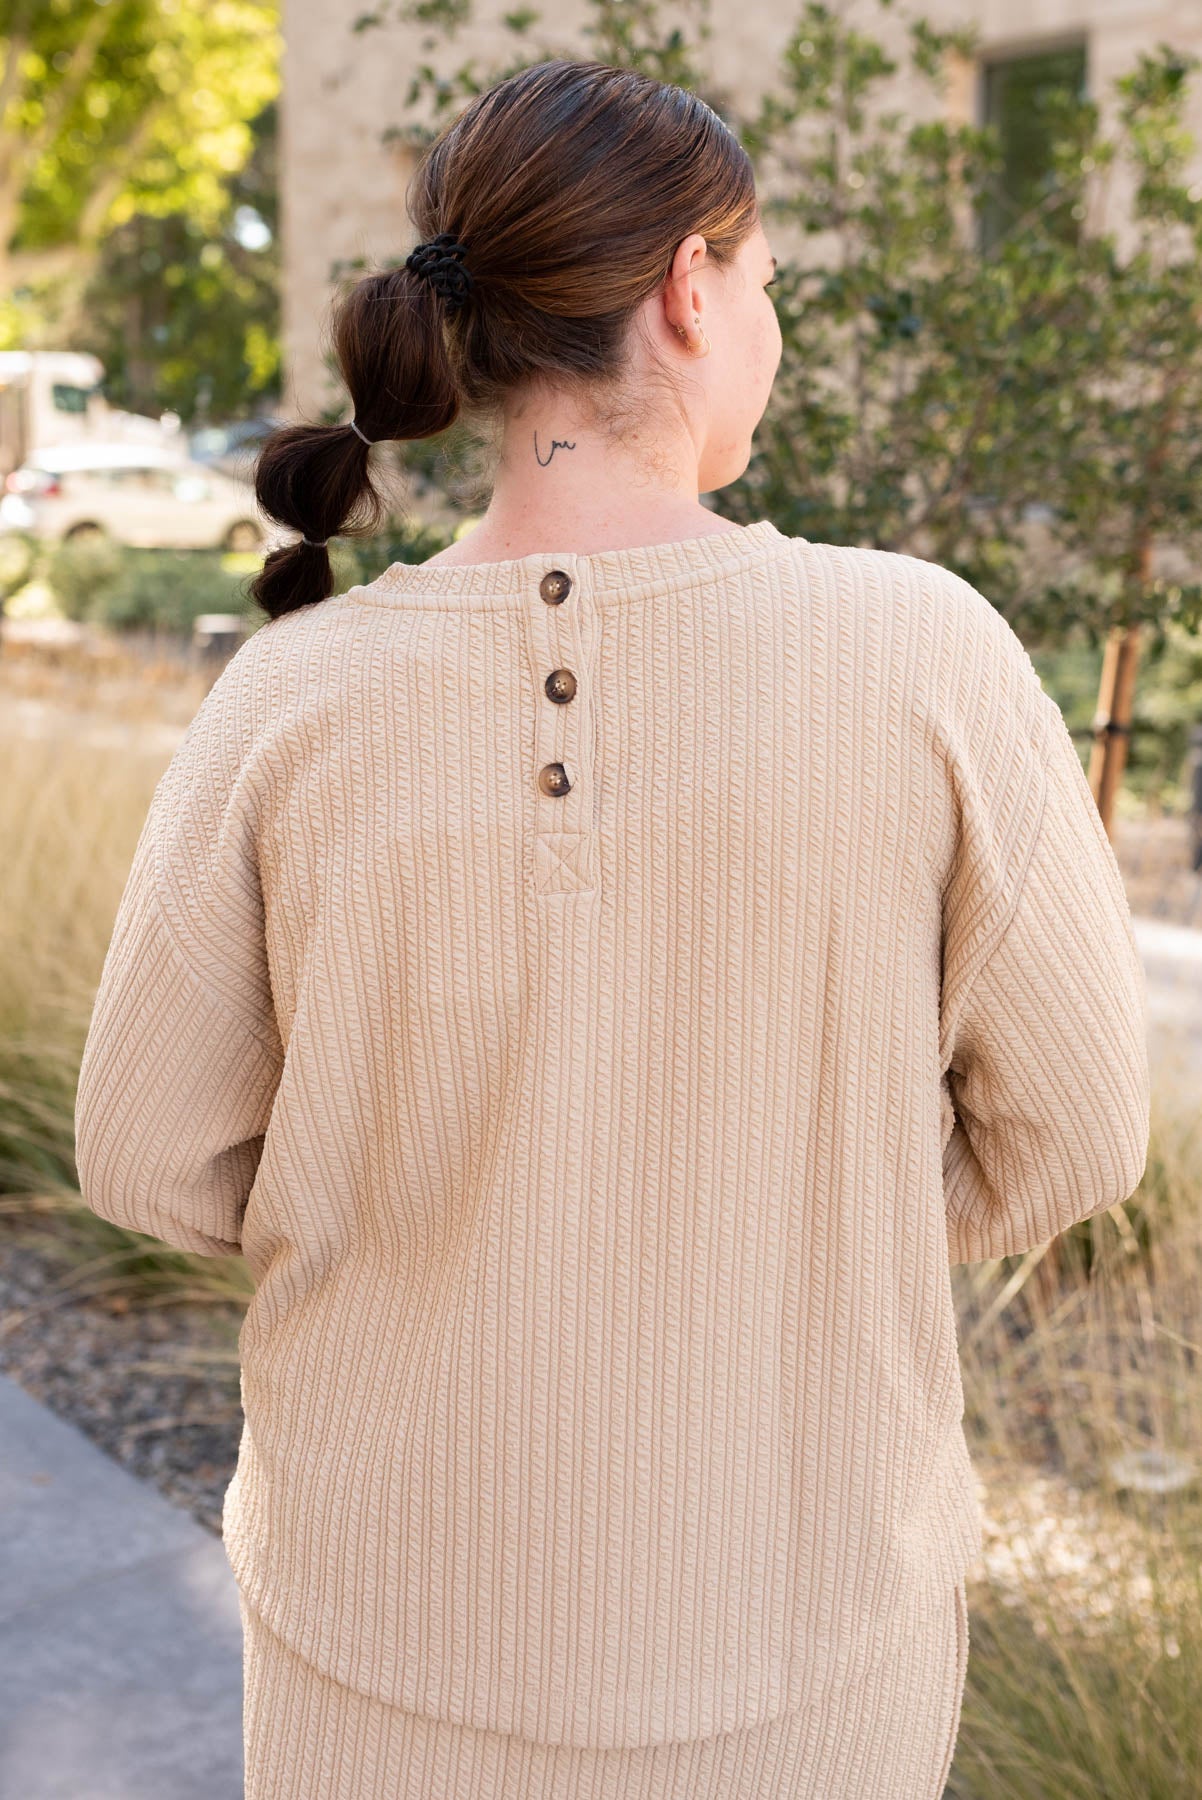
x: 565, y: 850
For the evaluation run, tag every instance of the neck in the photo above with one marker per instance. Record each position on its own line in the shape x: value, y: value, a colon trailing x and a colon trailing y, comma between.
x: 560, y: 481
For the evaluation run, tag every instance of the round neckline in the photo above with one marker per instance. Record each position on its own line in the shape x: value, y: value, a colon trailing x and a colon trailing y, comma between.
x: 602, y: 576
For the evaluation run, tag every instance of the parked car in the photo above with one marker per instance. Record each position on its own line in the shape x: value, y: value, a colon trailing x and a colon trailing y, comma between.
x: 232, y: 448
x: 147, y: 496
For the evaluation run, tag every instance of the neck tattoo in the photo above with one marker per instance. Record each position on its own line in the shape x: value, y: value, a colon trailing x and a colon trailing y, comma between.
x: 556, y: 444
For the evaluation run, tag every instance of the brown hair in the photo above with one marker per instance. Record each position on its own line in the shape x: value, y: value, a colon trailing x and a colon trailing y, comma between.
x: 569, y: 185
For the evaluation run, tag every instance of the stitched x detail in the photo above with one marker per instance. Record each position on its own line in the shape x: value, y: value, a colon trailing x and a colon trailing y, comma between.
x: 565, y: 861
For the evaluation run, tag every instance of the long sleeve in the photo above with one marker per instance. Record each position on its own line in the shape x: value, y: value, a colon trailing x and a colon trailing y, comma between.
x: 182, y: 1058
x: 1045, y: 1050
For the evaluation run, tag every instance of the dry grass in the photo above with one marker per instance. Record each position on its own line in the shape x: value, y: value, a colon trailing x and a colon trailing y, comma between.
x: 1083, y: 1407
x: 74, y: 791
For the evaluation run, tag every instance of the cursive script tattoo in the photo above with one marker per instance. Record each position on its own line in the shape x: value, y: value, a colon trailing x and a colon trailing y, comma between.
x: 556, y: 444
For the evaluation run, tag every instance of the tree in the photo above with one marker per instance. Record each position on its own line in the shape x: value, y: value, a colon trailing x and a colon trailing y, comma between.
x: 1027, y: 413
x: 1129, y: 499
x: 187, y: 318
x: 110, y: 108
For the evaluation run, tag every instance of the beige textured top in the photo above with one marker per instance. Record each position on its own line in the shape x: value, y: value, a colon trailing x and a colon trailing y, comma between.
x: 599, y: 1154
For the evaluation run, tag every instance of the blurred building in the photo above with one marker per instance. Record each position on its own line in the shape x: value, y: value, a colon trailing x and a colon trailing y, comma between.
x: 343, y: 171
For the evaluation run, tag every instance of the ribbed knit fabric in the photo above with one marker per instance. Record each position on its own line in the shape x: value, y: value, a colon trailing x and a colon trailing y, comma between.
x: 890, y: 1735
x: 599, y: 1155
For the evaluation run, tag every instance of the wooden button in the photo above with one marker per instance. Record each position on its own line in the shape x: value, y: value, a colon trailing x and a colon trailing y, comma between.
x: 555, y: 586
x: 553, y: 778
x: 560, y: 685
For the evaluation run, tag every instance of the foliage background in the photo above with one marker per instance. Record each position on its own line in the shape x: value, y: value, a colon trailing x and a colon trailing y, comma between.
x: 138, y: 185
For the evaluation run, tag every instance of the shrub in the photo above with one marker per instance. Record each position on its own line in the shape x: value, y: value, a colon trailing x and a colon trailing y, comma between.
x: 108, y: 584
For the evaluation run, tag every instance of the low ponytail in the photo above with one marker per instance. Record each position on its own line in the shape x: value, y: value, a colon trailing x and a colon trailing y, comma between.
x: 390, y: 345
x: 569, y: 184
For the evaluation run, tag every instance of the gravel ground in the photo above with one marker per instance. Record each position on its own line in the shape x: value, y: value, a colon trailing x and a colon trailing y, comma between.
x: 116, y: 1369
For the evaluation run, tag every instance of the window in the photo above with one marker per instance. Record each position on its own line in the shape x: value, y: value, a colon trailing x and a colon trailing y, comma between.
x: 1018, y: 99
x: 108, y: 476
x: 66, y: 397
x: 139, y: 479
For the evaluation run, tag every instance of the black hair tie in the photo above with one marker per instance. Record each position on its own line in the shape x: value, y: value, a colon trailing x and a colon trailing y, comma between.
x: 440, y: 262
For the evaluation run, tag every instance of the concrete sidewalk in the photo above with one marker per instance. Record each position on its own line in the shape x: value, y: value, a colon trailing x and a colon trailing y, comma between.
x: 120, y: 1637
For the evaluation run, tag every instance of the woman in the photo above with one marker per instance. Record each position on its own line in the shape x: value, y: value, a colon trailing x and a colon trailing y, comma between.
x: 599, y: 978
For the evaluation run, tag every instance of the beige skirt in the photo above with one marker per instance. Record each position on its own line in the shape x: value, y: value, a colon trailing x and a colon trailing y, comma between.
x: 888, y: 1736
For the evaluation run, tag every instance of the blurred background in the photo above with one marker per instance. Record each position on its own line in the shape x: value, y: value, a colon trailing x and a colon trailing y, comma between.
x: 989, y: 224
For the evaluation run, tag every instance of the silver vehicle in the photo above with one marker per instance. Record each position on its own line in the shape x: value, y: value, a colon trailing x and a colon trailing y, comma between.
x: 148, y: 496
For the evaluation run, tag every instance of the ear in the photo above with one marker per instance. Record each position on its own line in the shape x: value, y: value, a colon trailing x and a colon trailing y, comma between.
x: 682, y: 291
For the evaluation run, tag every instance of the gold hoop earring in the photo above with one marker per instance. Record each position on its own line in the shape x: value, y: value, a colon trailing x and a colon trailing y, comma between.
x: 692, y: 349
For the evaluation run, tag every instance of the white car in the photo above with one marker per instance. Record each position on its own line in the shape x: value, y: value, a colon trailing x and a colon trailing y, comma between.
x: 144, y: 495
